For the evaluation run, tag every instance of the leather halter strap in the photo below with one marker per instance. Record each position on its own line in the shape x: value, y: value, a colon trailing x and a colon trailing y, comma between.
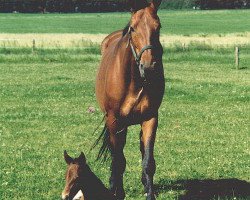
x: 138, y: 56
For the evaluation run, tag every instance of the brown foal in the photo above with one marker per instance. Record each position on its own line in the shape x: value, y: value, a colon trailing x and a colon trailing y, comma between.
x: 129, y: 89
x: 79, y: 177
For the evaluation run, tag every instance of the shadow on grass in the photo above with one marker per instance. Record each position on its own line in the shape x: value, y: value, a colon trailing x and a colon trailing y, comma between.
x: 207, y: 189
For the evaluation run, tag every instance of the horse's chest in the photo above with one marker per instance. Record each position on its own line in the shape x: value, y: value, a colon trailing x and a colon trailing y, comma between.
x: 136, y: 105
x: 144, y: 105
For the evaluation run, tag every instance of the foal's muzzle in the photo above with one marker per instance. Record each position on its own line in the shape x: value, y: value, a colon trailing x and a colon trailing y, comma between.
x: 78, y: 196
x: 65, y: 198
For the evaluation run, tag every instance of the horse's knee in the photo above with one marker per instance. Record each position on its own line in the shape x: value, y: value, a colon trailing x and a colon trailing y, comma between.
x: 121, y: 164
x: 118, y: 164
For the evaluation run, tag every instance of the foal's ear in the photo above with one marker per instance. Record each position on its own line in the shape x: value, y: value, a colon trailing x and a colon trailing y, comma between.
x: 156, y: 3
x: 136, y: 5
x: 82, y: 159
x: 67, y: 158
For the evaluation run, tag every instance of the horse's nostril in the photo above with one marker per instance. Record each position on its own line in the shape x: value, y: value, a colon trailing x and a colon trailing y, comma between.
x: 149, y: 65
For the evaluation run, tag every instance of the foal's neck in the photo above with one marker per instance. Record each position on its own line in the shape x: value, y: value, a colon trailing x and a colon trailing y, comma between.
x: 93, y: 188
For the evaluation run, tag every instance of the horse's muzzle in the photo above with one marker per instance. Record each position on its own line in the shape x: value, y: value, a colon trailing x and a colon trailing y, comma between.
x: 147, y: 67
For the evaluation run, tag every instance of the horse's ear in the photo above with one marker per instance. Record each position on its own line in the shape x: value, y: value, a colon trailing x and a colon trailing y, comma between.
x: 156, y: 3
x: 67, y: 158
x: 82, y: 159
x: 136, y: 5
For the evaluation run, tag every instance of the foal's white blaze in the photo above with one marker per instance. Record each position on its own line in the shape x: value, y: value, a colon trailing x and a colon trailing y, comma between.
x: 78, y: 195
x: 63, y: 197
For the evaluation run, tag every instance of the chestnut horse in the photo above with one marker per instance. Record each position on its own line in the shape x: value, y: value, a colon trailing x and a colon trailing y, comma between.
x: 82, y: 183
x: 129, y: 89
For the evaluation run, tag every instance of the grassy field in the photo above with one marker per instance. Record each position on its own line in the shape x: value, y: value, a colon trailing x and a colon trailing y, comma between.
x: 173, y: 22
x: 202, y: 144
x: 202, y: 147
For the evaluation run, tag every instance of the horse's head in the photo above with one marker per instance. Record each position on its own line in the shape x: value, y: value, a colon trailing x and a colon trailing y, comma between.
x: 144, y: 31
x: 74, y: 173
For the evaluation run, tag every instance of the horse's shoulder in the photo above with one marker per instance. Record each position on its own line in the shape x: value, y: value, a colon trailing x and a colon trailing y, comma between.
x: 109, y: 39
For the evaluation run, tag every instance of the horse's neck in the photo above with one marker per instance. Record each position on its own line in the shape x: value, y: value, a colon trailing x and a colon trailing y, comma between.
x: 93, y: 187
x: 123, y: 49
x: 119, y: 66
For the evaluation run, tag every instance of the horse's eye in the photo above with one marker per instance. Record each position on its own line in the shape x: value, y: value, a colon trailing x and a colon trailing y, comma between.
x: 131, y: 29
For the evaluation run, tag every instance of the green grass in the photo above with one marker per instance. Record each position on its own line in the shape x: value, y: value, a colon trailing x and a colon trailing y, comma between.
x: 173, y: 22
x: 202, y: 142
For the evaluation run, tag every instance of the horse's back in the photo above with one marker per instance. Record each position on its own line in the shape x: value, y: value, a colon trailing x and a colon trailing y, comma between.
x: 110, y: 39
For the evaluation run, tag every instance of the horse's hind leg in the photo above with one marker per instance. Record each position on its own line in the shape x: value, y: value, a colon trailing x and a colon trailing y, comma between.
x: 147, y: 148
x: 117, y: 143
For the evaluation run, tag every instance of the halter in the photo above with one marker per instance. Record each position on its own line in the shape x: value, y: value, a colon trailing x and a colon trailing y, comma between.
x: 138, y: 57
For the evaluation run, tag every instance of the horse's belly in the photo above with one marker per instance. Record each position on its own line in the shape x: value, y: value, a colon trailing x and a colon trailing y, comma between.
x: 101, y: 79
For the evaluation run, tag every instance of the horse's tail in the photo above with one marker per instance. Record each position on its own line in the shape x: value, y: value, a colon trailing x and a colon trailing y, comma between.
x: 105, y: 148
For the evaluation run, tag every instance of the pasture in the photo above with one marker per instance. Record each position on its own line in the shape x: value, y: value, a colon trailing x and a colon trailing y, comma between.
x: 173, y: 22
x: 202, y: 145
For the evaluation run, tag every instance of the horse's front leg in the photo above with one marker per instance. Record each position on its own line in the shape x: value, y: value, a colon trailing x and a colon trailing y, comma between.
x: 147, y: 140
x: 118, y: 164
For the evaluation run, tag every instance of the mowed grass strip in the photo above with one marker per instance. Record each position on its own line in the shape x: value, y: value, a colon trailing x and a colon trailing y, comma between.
x: 173, y: 22
x: 202, y: 144
x: 48, y: 40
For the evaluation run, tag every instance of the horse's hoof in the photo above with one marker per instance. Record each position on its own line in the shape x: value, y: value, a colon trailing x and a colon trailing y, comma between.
x: 120, y: 197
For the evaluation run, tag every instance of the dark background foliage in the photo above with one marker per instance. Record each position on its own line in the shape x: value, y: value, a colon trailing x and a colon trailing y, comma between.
x: 33, y: 6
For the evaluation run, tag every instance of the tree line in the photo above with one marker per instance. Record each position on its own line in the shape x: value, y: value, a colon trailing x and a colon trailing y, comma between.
x: 205, y: 4
x: 33, y: 6
x: 62, y: 6
x: 223, y: 4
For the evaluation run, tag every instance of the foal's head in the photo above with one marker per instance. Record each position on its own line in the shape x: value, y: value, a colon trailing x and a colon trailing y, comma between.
x: 144, y: 30
x: 74, y: 173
